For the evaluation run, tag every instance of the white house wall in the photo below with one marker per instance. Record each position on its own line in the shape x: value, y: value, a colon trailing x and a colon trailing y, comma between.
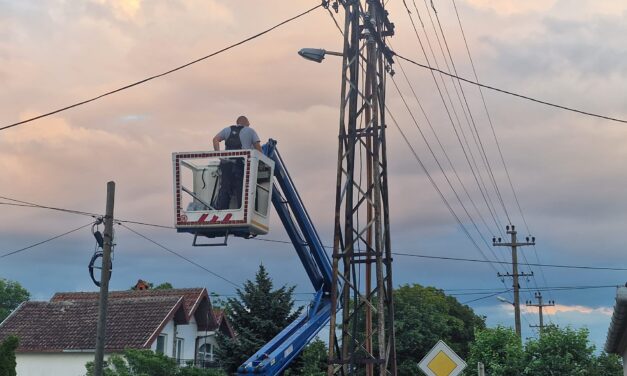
x: 188, y: 333
x: 168, y: 330
x: 41, y: 364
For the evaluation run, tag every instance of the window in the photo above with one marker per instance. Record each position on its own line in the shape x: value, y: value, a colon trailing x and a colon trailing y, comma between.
x: 205, y: 354
x: 262, y: 196
x: 178, y: 349
x: 161, y: 343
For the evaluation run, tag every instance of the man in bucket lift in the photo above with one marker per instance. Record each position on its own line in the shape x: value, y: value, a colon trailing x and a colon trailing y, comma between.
x: 236, y: 137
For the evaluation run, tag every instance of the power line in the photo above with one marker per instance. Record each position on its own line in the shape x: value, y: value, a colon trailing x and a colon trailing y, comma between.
x: 21, y: 203
x: 469, y: 156
x: 26, y: 204
x: 404, y: 253
x: 510, y: 93
x: 477, y: 139
x: 441, y: 168
x: 181, y: 256
x: 584, y: 267
x: 164, y: 73
x: 44, y: 241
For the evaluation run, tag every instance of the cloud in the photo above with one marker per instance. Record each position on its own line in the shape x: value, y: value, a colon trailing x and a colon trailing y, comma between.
x: 508, y: 7
x: 579, y: 309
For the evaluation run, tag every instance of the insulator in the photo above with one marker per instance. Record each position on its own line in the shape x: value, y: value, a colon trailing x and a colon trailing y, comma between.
x: 533, y: 239
x: 507, y: 227
x: 494, y: 240
x: 499, y: 240
x: 527, y: 239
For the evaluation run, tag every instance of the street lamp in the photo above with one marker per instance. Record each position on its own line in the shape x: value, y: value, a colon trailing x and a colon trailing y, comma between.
x: 317, y: 54
x: 502, y: 299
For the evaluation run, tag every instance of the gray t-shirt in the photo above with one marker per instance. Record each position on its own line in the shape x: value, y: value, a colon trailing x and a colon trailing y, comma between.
x: 247, y: 136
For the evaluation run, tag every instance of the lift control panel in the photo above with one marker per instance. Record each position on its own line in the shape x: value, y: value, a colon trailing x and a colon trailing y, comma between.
x: 222, y: 193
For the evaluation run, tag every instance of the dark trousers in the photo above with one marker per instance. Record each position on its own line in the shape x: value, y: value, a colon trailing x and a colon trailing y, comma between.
x: 231, y: 180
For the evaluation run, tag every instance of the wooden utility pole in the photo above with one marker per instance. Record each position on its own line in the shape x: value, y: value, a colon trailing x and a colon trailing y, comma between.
x: 513, y: 244
x: 540, y: 305
x: 104, y: 281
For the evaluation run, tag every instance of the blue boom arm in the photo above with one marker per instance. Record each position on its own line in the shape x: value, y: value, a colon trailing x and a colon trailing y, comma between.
x: 277, y: 354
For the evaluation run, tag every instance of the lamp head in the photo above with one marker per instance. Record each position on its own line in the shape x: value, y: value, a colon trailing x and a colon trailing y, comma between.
x: 313, y: 54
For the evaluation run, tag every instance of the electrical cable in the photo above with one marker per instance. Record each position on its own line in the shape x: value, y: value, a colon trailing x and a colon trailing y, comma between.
x: 20, y: 203
x: 503, y: 91
x: 411, y: 87
x: 180, y: 256
x: 476, y: 135
x: 469, y: 156
x: 162, y: 74
x: 44, y: 241
x: 446, y: 203
x: 442, y: 170
x: 405, y: 253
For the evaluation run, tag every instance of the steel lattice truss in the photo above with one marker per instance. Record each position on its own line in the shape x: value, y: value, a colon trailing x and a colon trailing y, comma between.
x: 362, y: 334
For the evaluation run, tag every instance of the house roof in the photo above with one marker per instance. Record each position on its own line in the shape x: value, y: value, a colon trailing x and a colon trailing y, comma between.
x: 223, y: 323
x: 193, y: 297
x: 617, y: 332
x: 66, y: 326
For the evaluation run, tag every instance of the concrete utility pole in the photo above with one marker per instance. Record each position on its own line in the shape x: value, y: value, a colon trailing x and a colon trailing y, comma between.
x: 540, y: 305
x: 104, y: 281
x: 480, y: 369
x: 513, y: 244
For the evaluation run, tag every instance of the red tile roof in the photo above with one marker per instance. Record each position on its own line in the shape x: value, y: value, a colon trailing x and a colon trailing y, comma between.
x: 71, y: 325
x: 192, y: 296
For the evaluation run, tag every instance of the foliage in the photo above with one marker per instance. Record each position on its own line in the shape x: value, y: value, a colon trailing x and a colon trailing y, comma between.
x: 558, y: 352
x: 607, y: 364
x: 499, y: 349
x: 164, y: 286
x: 147, y: 363
x: 7, y: 356
x: 424, y: 315
x: 11, y: 295
x: 257, y: 315
x: 314, y: 360
x: 151, y: 286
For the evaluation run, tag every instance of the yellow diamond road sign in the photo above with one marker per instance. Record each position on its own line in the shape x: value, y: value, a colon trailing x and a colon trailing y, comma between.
x: 442, y: 361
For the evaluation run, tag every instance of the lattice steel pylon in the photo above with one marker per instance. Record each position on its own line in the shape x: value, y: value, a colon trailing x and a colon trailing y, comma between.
x: 362, y: 340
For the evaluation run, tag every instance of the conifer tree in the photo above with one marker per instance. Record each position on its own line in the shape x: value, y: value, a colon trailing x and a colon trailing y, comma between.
x: 257, y: 315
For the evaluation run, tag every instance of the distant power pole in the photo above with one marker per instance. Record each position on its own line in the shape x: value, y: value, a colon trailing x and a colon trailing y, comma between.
x: 540, y: 305
x: 513, y: 244
x: 104, y: 281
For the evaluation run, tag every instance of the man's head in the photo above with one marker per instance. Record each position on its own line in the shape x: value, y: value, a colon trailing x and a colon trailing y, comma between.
x: 242, y: 120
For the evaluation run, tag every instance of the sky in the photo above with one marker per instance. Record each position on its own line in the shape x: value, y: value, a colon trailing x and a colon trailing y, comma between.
x: 566, y: 168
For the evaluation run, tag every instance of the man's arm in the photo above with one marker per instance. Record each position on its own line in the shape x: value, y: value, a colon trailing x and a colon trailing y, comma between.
x: 257, y: 145
x: 216, y: 142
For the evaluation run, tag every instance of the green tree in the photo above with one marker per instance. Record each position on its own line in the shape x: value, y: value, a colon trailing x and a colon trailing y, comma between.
x: 607, y: 365
x: 314, y: 359
x: 499, y: 349
x: 257, y: 315
x: 147, y: 363
x: 11, y: 295
x: 424, y: 315
x: 559, y: 352
x: 151, y: 286
x: 164, y: 286
x: 7, y: 356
